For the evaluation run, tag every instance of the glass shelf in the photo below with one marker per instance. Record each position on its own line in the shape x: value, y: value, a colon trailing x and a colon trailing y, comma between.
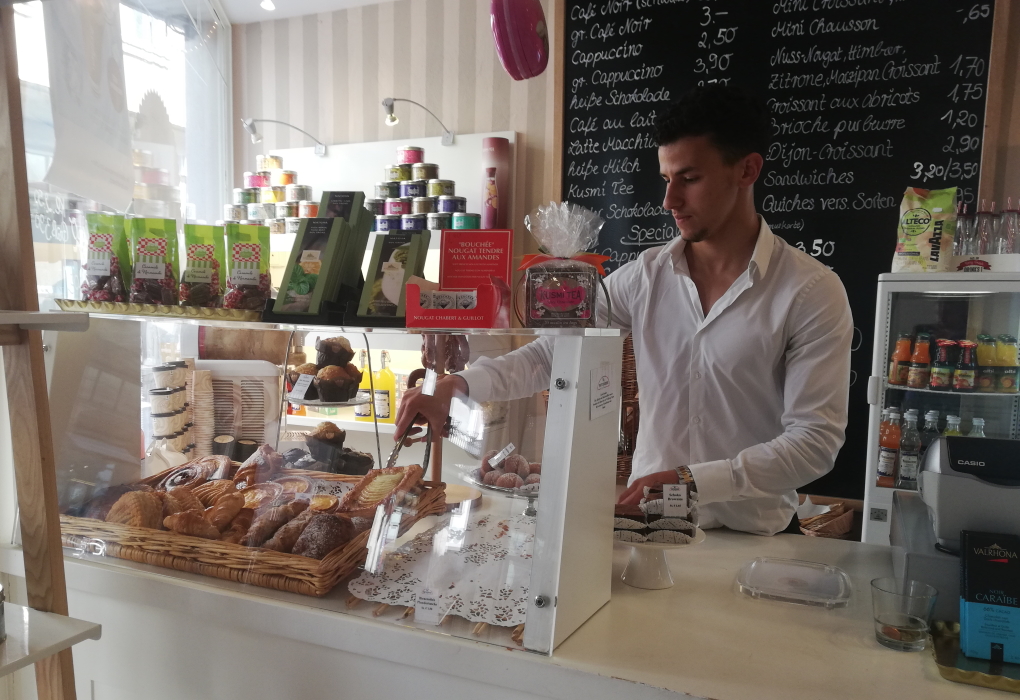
x: 962, y: 394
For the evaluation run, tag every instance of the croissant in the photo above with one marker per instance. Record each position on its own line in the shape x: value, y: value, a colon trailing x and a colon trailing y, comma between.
x: 170, y: 505
x: 286, y: 536
x: 208, y: 492
x: 267, y: 523
x: 221, y: 513
x: 192, y: 523
x: 185, y: 495
x: 239, y: 526
x: 137, y: 508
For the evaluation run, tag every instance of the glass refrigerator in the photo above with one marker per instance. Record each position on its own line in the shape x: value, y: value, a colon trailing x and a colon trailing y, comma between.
x: 945, y: 344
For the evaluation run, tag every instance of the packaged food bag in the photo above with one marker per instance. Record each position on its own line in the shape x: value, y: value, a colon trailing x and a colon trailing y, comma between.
x: 927, y: 228
x: 107, y: 259
x: 248, y: 281
x: 202, y: 280
x: 154, y: 261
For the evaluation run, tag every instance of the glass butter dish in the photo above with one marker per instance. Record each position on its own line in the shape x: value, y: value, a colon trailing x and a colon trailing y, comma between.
x: 794, y: 581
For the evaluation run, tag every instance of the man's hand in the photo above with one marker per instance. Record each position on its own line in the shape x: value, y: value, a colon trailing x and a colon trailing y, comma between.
x: 417, y: 407
x: 636, y: 491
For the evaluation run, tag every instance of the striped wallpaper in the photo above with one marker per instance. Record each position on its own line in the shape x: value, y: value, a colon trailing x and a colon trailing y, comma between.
x: 328, y: 73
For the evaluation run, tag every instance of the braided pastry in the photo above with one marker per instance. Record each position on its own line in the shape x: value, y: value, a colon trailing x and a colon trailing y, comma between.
x: 286, y: 536
x: 186, y: 497
x: 192, y: 523
x: 239, y: 526
x: 226, y: 508
x: 267, y: 523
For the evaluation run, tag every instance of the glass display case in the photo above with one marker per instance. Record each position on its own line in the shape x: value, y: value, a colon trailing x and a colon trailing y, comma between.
x: 499, y: 532
x: 946, y: 356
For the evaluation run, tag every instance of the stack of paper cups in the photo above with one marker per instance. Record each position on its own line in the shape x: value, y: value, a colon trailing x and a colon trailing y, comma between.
x: 204, y: 419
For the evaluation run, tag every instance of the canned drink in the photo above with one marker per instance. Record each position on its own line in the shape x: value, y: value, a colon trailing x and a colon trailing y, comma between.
x: 413, y: 222
x: 274, y: 194
x: 423, y: 205
x: 268, y: 163
x: 387, y: 222
x: 262, y: 211
x: 292, y: 225
x: 438, y: 220
x: 440, y: 188
x: 385, y: 190
x: 286, y: 209
x: 234, y: 212
x: 398, y: 172
x: 282, y: 178
x: 398, y: 205
x: 451, y: 204
x: 412, y: 188
x: 245, y: 195
x: 297, y: 193
x: 277, y: 226
x: 410, y: 154
x: 376, y: 206
x: 424, y: 171
x: 308, y: 210
x: 462, y: 220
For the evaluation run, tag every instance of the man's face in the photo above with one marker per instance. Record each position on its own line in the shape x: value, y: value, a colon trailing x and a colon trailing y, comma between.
x: 701, y: 187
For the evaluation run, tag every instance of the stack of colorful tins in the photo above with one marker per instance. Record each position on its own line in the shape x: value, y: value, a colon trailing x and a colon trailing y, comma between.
x: 414, y: 198
x: 271, y: 197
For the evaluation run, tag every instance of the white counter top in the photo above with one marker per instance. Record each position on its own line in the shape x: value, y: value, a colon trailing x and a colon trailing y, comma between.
x: 700, y: 638
x: 33, y: 635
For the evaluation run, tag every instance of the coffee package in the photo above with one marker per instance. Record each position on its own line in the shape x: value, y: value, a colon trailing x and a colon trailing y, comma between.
x: 927, y: 228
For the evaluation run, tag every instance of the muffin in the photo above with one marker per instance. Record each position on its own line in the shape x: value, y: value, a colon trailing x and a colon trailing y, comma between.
x: 326, y: 444
x: 307, y: 368
x: 335, y: 384
x: 333, y: 351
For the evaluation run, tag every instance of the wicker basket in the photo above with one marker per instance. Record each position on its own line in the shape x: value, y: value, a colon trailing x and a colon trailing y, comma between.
x: 834, y: 524
x: 234, y: 562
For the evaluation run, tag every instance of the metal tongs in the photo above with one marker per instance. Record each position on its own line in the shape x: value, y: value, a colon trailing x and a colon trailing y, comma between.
x: 412, y: 381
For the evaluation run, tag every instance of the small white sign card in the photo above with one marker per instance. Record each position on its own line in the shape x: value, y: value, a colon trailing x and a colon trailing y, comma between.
x: 301, y: 387
x: 603, y: 391
x: 674, y: 501
x: 426, y: 607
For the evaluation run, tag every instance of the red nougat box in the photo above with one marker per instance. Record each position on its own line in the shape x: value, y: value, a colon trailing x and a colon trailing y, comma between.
x: 492, y: 309
x: 469, y: 258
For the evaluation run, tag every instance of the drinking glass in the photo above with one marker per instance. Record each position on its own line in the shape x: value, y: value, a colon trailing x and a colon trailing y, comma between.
x: 902, y: 611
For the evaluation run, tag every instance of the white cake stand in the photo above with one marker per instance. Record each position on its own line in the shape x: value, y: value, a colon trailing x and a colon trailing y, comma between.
x: 647, y: 567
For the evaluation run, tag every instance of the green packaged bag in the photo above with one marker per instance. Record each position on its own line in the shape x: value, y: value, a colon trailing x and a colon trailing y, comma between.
x: 924, y: 242
x: 107, y: 259
x: 202, y: 281
x: 248, y: 280
x: 154, y: 261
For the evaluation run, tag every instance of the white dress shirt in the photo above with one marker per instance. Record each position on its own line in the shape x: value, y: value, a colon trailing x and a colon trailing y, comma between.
x: 752, y: 398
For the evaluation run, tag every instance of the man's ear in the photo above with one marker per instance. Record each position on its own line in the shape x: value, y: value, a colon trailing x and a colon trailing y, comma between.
x: 751, y: 166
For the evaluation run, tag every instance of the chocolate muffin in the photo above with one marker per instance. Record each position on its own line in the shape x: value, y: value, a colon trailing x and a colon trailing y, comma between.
x: 335, y: 384
x: 333, y: 351
x: 307, y: 368
x: 326, y: 444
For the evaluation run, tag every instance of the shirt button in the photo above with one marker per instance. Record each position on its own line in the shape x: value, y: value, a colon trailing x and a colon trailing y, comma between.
x: 697, y: 375
x: 697, y: 419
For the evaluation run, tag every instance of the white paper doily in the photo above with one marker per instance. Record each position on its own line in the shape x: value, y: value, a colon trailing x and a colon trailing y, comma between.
x: 481, y: 572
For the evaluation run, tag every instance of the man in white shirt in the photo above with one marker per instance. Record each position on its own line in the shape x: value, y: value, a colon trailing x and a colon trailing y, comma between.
x: 742, y: 341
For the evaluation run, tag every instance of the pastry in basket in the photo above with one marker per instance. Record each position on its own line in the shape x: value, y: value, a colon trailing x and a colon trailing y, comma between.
x: 377, y: 486
x: 324, y: 503
x: 355, y: 463
x: 294, y: 483
x: 326, y: 443
x: 361, y: 524
x: 137, y: 508
x: 192, y: 523
x: 337, y: 383
x: 226, y: 508
x: 264, y: 463
x: 324, y: 533
x: 287, y: 535
x: 268, y: 522
x: 187, y: 498
x: 333, y: 351
x: 170, y: 505
x: 239, y: 527
x: 193, y: 473
x: 295, y: 374
x: 99, y: 506
x: 261, y: 494
x: 208, y: 492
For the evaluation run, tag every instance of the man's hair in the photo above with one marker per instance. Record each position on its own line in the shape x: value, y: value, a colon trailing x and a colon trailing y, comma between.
x: 736, y: 121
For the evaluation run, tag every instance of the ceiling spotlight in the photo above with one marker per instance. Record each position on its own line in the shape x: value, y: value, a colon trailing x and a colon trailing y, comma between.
x: 267, y: 5
x: 392, y: 120
x: 249, y: 126
x: 256, y: 137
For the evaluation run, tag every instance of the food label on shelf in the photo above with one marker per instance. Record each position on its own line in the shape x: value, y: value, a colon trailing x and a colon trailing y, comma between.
x: 149, y: 270
x: 887, y: 461
x: 502, y: 454
x: 426, y: 607
x: 301, y: 387
x: 674, y: 501
x: 198, y: 275
x: 99, y: 267
x: 603, y: 391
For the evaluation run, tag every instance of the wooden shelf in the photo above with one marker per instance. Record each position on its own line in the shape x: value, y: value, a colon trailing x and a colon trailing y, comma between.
x: 33, y: 636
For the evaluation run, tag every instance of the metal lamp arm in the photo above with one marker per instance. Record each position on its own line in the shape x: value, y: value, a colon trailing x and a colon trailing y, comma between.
x: 447, y: 134
x: 319, y: 144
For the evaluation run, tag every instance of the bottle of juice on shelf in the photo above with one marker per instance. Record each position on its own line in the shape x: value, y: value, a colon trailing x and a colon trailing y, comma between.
x: 889, y: 452
x: 952, y: 427
x: 385, y: 392
x: 899, y: 362
x: 965, y: 374
x: 920, y: 363
x: 929, y: 432
x: 910, y: 455
x: 942, y: 368
x: 883, y: 425
x: 977, y: 427
x: 986, y: 360
x: 1005, y: 357
x: 363, y: 411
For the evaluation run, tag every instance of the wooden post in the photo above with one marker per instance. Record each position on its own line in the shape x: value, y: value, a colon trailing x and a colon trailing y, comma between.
x: 32, y: 443
x: 1001, y: 134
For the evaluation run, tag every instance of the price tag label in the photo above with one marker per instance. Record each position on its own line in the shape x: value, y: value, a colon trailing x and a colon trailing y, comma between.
x: 301, y: 387
x: 428, y: 385
x: 502, y: 454
x: 426, y: 607
x: 674, y: 503
x: 603, y: 391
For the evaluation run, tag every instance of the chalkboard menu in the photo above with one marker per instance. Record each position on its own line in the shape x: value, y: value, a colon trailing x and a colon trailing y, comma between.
x: 867, y: 98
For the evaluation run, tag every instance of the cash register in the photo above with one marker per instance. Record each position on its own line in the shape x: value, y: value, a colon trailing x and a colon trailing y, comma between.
x: 964, y: 484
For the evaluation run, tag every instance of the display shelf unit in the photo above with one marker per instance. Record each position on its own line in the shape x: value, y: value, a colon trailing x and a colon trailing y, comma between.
x: 33, y: 636
x: 360, y: 426
x: 971, y: 394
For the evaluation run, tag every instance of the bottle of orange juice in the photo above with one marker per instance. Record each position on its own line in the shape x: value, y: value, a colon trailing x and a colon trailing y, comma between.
x: 899, y: 363
x: 920, y: 363
x: 1005, y: 357
x: 889, y: 452
x: 986, y: 376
